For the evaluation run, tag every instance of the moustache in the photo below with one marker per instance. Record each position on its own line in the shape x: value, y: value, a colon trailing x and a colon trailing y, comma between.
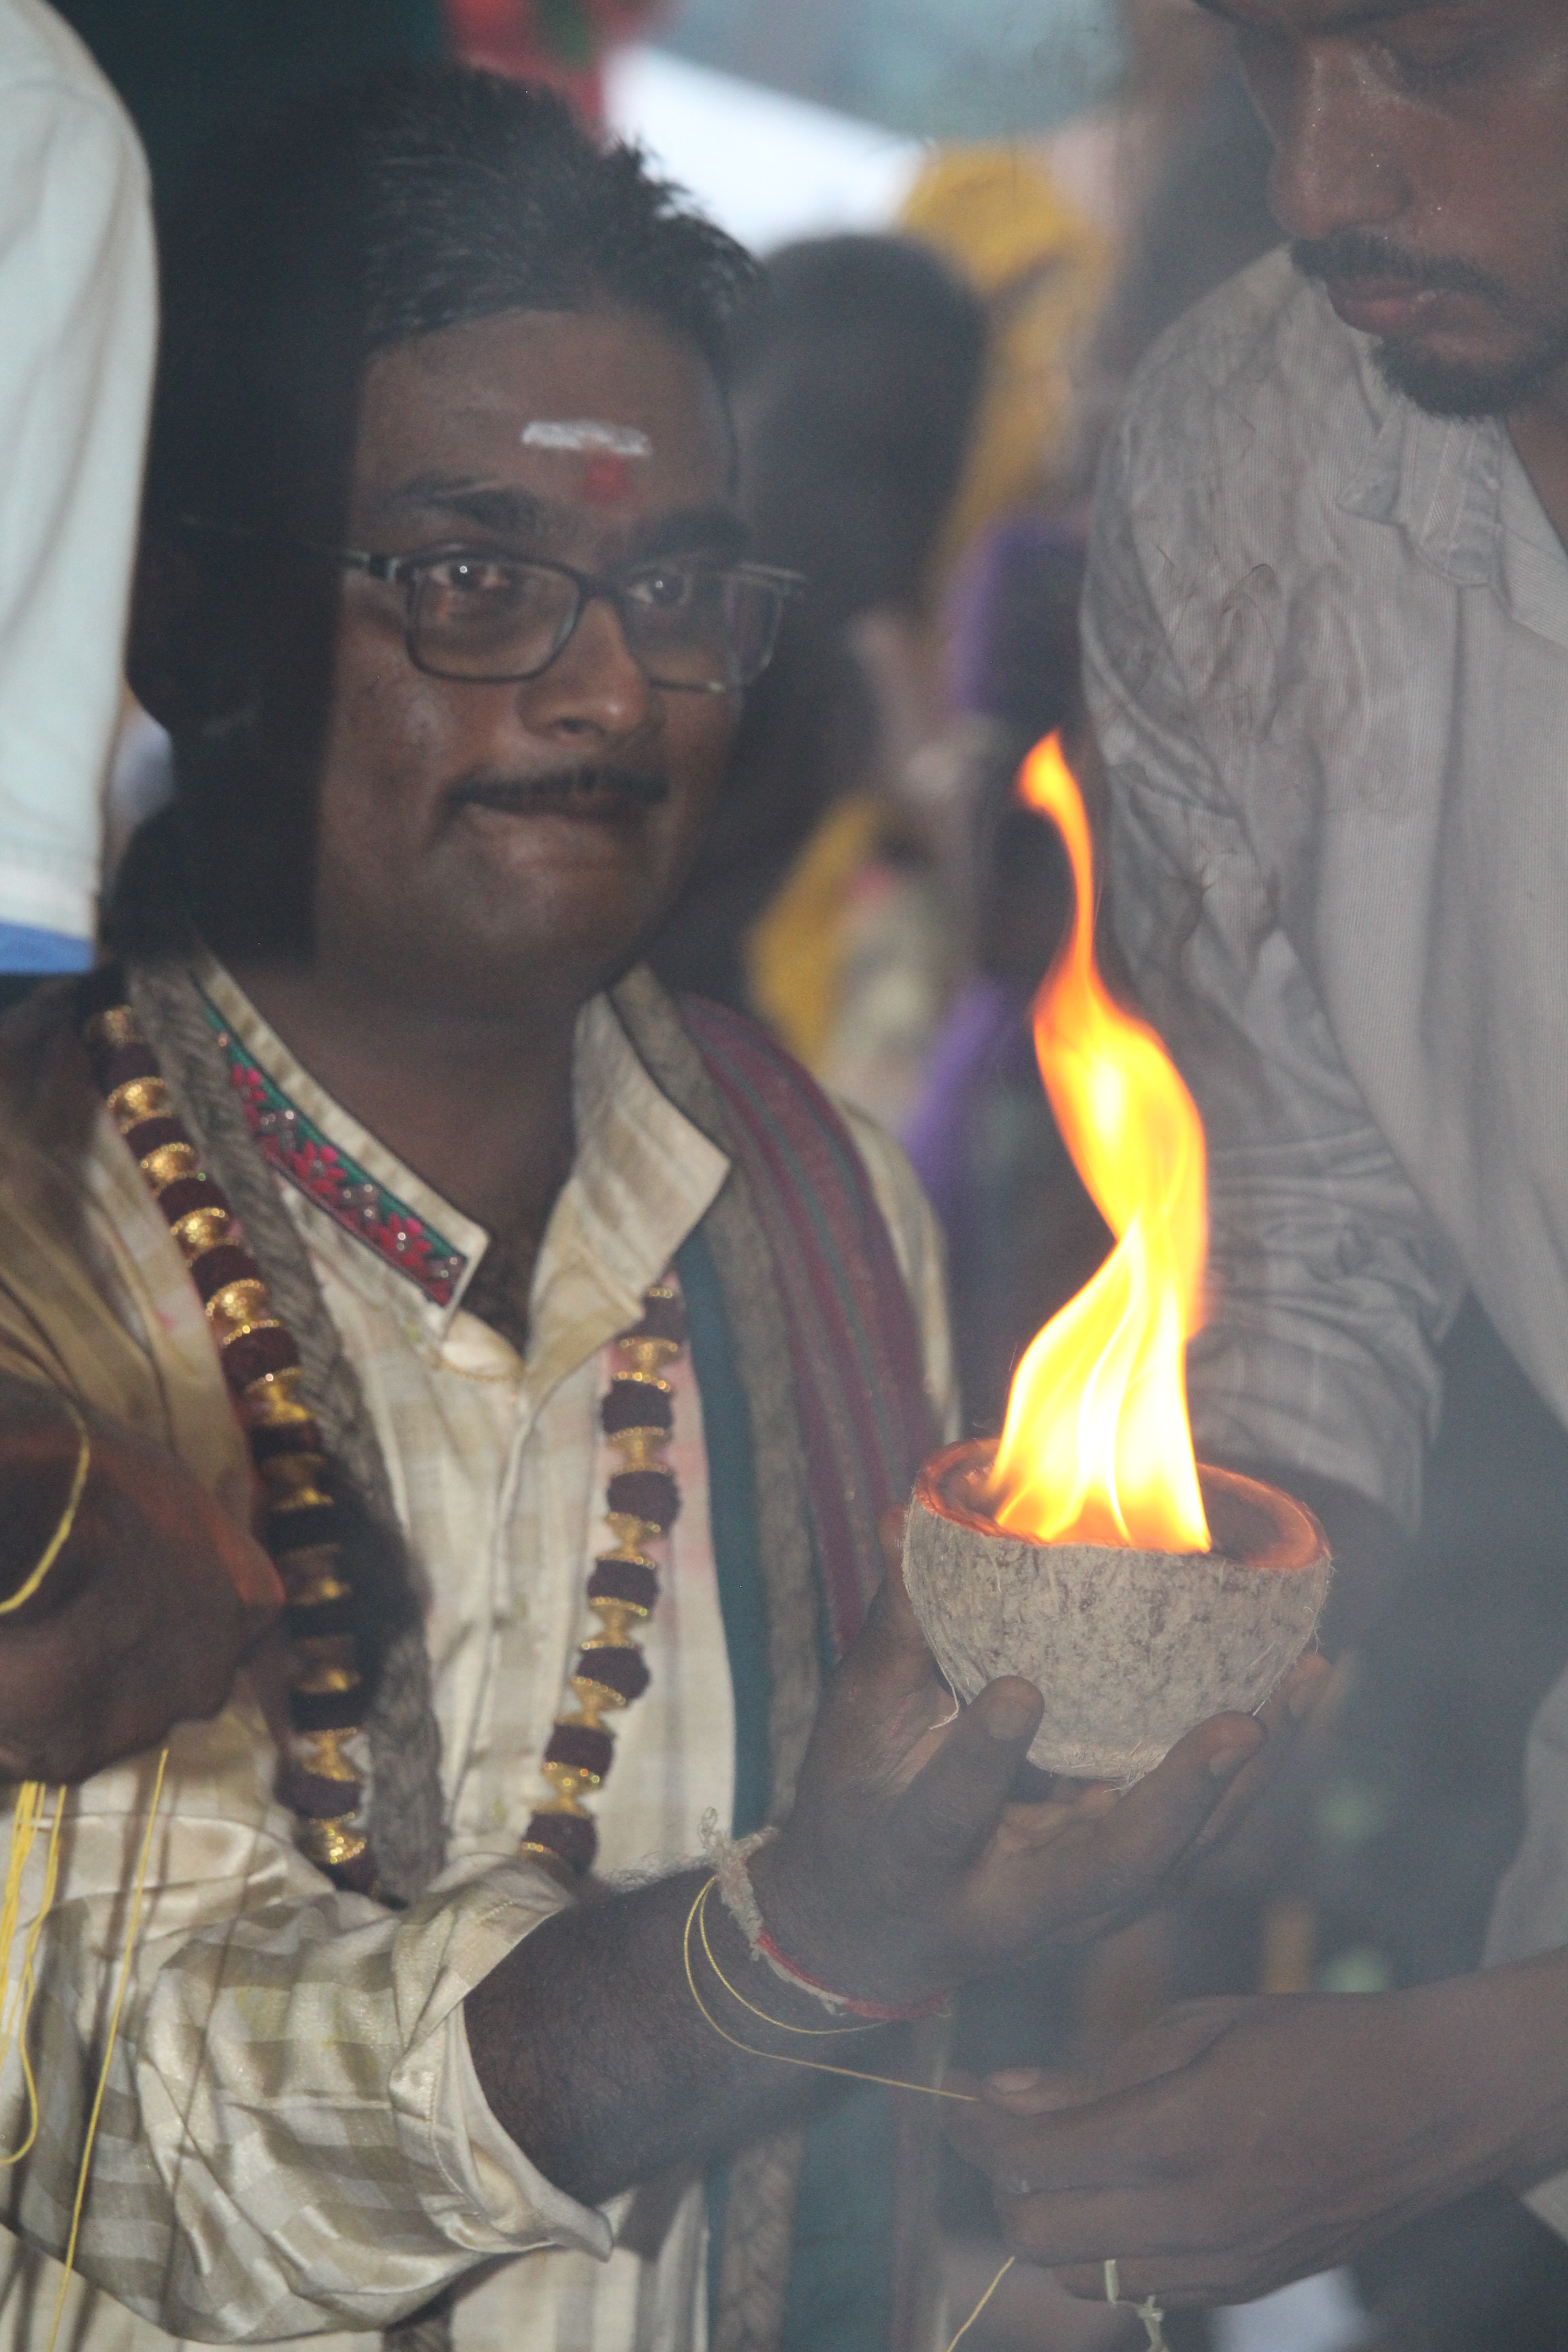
x: 561, y: 788
x: 1358, y: 256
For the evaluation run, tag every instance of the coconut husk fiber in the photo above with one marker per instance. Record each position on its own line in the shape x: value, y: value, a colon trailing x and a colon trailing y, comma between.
x: 1129, y: 1649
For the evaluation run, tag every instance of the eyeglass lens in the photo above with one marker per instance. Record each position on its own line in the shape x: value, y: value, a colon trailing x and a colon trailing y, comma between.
x: 482, y: 618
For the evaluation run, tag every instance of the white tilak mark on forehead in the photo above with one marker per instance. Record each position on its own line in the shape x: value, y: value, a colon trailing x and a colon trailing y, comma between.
x: 580, y: 433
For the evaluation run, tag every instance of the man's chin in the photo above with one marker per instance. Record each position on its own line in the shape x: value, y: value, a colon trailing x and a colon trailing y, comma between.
x: 1445, y: 386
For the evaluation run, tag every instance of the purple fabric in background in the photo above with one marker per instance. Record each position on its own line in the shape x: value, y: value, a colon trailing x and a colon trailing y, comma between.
x: 985, y: 1037
x: 1012, y: 618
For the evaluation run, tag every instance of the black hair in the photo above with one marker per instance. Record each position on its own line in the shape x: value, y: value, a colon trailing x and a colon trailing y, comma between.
x: 418, y: 199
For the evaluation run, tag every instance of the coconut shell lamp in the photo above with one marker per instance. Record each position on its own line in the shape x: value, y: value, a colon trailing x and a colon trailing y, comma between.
x: 1087, y: 1549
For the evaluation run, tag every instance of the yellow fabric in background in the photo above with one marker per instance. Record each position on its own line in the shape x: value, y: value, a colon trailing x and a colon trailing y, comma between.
x: 1044, y: 272
x: 796, y: 948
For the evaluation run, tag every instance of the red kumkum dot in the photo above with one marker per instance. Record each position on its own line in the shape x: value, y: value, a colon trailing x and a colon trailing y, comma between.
x: 606, y: 478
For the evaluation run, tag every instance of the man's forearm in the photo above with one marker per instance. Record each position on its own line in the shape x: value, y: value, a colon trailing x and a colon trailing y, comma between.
x: 593, y: 2055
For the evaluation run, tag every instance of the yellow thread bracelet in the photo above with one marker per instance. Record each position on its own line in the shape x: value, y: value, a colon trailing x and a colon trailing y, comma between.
x: 61, y: 1536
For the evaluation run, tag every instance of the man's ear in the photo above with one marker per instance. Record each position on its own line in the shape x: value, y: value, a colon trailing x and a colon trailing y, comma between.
x: 174, y: 631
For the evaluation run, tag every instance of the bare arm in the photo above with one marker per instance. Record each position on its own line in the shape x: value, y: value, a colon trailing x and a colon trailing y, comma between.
x: 146, y: 1614
x: 906, y: 1867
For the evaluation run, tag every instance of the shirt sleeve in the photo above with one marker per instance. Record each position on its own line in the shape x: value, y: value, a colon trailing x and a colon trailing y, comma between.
x: 78, y: 325
x: 1329, y: 1284
x: 922, y: 1253
x: 285, y: 2144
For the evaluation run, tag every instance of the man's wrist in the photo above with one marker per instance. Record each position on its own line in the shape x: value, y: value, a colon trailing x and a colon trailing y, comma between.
x: 799, y: 1913
x: 1510, y: 2035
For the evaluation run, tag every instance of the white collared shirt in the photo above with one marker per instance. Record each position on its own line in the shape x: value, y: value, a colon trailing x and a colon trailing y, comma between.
x: 265, y: 2009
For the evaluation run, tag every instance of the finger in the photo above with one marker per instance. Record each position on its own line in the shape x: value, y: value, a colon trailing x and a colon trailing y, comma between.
x: 950, y: 1809
x: 1287, y: 1719
x: 1121, y: 1857
x: 1034, y: 2091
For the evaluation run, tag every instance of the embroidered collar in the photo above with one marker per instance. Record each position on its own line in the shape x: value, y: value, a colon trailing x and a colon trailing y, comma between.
x: 327, y: 1176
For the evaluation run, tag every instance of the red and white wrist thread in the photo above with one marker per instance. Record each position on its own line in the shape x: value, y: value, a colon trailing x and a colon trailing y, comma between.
x: 730, y: 1859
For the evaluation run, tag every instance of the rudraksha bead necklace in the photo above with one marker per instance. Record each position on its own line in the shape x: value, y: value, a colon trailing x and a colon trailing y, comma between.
x: 643, y: 1499
x: 299, y: 1520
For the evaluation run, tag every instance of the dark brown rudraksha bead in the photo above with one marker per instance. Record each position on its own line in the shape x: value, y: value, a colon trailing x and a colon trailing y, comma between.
x: 662, y: 1319
x: 318, y: 1799
x: 177, y: 1200
x: 224, y: 1262
x: 308, y: 1619
x: 585, y: 1749
x: 326, y: 1710
x: 148, y: 1133
x: 284, y: 1437
x: 634, y: 1581
x: 635, y: 1404
x: 116, y: 1065
x: 651, y: 1494
x: 622, y: 1670
x: 570, y: 1836
x: 255, y: 1353
x: 302, y: 1530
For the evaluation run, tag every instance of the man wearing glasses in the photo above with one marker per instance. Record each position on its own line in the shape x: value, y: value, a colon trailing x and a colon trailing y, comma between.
x: 563, y: 1344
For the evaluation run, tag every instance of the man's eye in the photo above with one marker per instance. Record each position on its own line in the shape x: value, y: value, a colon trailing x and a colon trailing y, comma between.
x: 473, y: 575
x: 1444, y: 60
x: 665, y: 590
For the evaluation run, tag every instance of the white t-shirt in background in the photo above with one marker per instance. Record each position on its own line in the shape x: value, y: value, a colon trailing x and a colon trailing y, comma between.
x: 78, y: 333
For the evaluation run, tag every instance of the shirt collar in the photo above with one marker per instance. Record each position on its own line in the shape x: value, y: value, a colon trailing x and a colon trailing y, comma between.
x: 1439, y: 478
x: 642, y: 1176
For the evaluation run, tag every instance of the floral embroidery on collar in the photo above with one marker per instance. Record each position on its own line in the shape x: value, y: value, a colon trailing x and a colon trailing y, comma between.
x: 296, y: 1146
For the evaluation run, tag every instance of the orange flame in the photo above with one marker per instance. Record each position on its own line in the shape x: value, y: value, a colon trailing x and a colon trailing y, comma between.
x: 1097, y: 1447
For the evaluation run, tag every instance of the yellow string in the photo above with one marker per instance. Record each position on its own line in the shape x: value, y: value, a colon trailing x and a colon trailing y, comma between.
x: 57, y: 1541
x: 982, y: 2304
x: 1149, y: 2313
x: 781, y: 2057
x: 119, y: 1989
x: 24, y: 1824
x: 818, y: 2032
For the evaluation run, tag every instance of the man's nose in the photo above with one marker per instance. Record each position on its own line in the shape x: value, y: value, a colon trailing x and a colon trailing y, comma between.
x: 1338, y: 165
x: 593, y: 689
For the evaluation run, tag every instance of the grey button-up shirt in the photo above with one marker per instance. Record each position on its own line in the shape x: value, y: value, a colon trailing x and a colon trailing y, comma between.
x: 1327, y: 646
x: 1328, y: 657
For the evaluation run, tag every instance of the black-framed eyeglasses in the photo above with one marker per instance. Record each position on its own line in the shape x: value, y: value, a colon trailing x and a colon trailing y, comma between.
x: 479, y: 614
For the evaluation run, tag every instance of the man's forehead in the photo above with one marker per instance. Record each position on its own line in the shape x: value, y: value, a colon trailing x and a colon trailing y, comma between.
x: 559, y: 391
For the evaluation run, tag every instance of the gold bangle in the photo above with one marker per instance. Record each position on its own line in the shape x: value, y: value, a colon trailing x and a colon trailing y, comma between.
x: 61, y: 1536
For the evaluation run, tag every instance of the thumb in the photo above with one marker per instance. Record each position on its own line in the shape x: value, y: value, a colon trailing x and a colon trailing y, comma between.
x: 1147, y: 1830
x: 951, y: 1806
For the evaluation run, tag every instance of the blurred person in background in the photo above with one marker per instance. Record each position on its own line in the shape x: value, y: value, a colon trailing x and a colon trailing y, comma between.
x: 78, y: 326
x: 1327, y: 616
x: 1043, y: 272
x: 857, y: 378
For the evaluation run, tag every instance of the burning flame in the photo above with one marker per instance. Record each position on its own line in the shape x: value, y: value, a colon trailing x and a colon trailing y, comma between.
x: 1097, y: 1447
